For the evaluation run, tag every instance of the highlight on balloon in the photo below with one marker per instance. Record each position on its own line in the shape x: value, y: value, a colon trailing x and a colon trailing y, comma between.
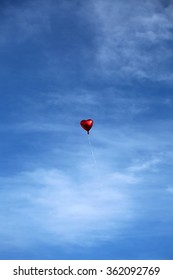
x: 87, y: 124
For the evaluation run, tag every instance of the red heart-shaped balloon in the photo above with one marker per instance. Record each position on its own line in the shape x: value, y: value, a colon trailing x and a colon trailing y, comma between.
x: 87, y: 124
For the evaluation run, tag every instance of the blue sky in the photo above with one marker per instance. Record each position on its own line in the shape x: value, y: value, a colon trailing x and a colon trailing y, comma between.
x: 64, y: 61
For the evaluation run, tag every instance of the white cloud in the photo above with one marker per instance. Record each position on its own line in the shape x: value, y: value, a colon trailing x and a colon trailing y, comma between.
x: 37, y: 205
x: 133, y: 39
x: 149, y: 165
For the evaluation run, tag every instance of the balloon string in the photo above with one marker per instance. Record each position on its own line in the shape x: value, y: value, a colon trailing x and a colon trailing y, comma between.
x: 91, y: 149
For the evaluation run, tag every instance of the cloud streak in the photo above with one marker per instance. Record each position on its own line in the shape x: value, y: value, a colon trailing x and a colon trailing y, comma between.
x: 126, y: 43
x: 134, y: 42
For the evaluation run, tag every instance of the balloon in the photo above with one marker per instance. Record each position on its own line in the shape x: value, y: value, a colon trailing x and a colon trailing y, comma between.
x: 87, y: 124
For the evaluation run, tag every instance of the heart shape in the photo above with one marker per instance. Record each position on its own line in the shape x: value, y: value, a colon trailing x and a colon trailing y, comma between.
x: 87, y: 124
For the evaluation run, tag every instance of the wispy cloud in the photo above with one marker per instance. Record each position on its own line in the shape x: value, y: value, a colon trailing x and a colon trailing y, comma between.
x: 92, y: 210
x: 150, y: 165
x: 134, y: 41
x: 126, y: 41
